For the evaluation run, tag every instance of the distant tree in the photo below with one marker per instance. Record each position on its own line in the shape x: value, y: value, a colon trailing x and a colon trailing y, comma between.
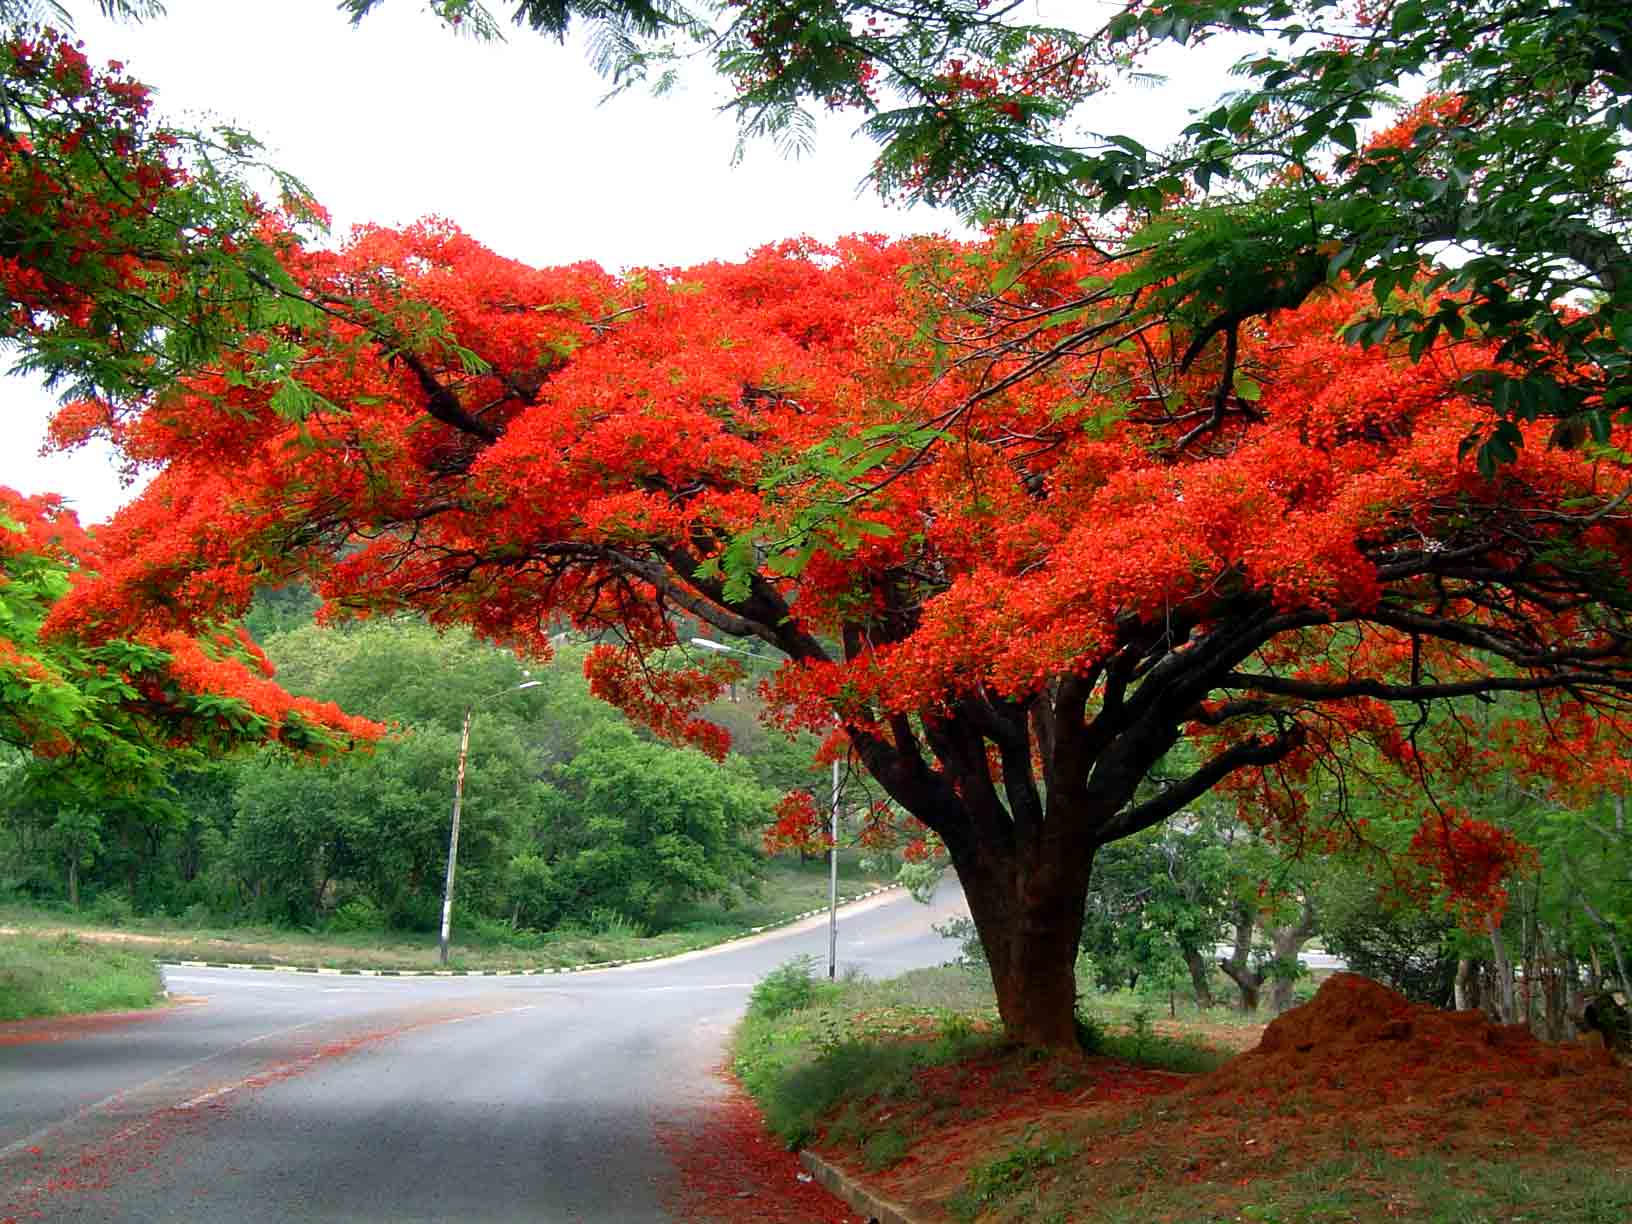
x: 304, y: 839
x: 640, y: 828
x: 1411, y: 948
x: 1157, y: 904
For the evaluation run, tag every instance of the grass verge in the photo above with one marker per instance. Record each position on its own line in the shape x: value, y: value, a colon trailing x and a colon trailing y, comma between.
x: 789, y: 888
x: 854, y: 1064
x: 62, y: 975
x: 906, y: 1085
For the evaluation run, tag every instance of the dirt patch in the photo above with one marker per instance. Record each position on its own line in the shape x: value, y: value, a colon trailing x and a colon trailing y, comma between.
x: 95, y: 936
x: 1360, y: 1068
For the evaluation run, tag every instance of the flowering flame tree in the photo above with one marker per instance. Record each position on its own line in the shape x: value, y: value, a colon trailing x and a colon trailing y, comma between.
x: 1053, y: 591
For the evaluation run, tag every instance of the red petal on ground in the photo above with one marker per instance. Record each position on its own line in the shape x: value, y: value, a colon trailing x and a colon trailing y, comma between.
x: 731, y: 1169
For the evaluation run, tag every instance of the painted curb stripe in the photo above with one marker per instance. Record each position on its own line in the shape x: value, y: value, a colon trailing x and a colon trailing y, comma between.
x: 588, y: 965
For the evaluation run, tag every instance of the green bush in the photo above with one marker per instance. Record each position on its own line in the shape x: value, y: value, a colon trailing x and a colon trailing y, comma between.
x: 790, y: 987
x: 358, y: 914
x: 1090, y: 1029
x: 112, y: 909
x: 884, y: 1148
x: 609, y: 922
x: 1006, y: 1176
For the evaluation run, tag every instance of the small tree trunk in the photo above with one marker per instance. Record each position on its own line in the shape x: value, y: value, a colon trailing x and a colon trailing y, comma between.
x: 1238, y: 968
x: 1286, y: 942
x: 1466, y: 990
x: 1507, y: 1008
x: 1198, y: 978
x: 73, y: 880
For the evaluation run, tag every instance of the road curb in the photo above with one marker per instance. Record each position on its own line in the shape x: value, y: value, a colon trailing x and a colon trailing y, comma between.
x: 878, y: 1210
x: 329, y: 971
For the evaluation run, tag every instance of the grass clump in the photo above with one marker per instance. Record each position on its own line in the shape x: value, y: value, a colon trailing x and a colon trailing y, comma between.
x: 64, y: 976
x: 1140, y: 1044
x: 1008, y: 1175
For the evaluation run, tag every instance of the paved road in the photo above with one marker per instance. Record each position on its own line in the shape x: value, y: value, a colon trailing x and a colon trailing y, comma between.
x: 280, y: 1097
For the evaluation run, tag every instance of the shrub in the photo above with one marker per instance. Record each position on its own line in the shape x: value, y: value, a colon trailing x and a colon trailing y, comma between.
x: 884, y: 1149
x: 790, y: 987
x: 113, y: 909
x: 358, y: 914
x: 1006, y: 1176
x: 1090, y: 1029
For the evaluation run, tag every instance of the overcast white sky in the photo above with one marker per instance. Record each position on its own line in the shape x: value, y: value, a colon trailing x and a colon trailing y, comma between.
x: 401, y: 120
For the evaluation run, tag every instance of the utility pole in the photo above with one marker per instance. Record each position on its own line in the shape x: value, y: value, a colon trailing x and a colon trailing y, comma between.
x: 453, y: 836
x: 833, y: 850
x: 458, y: 803
x: 833, y: 884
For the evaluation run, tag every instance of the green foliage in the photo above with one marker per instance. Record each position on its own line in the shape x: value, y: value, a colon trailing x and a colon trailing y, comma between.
x: 884, y: 1148
x: 281, y: 610
x: 63, y: 975
x: 1407, y: 947
x: 802, y: 1063
x: 642, y: 828
x: 1089, y: 1027
x: 1154, y: 897
x: 790, y: 987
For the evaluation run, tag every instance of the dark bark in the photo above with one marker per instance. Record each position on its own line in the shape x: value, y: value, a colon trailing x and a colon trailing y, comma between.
x: 1238, y: 967
x: 1198, y: 967
x: 1286, y: 942
x: 1029, y: 914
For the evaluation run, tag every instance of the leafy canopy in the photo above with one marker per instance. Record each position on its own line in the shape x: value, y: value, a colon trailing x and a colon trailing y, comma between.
x: 1506, y: 181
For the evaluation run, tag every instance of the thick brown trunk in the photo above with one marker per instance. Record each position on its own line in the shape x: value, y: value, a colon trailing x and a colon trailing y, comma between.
x: 1248, y: 981
x: 1029, y: 916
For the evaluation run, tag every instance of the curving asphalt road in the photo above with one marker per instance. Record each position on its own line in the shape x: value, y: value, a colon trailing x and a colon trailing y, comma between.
x: 284, y: 1097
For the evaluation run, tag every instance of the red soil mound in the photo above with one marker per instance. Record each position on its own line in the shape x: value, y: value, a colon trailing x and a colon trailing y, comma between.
x: 1366, y: 1050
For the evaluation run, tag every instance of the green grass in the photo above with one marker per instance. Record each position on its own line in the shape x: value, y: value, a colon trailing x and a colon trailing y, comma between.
x: 1359, y: 1187
x: 789, y: 888
x: 1006, y: 1177
x: 62, y: 976
x: 799, y: 1064
x: 845, y: 1064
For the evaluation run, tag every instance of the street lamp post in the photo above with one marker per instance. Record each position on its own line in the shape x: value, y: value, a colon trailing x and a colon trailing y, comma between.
x: 833, y: 851
x: 458, y: 803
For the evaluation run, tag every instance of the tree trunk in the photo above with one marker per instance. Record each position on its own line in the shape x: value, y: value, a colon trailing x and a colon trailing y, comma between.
x: 1029, y: 916
x: 1466, y: 990
x: 1507, y: 1008
x: 1199, y: 969
x: 1238, y: 968
x: 1286, y: 942
x: 73, y: 880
